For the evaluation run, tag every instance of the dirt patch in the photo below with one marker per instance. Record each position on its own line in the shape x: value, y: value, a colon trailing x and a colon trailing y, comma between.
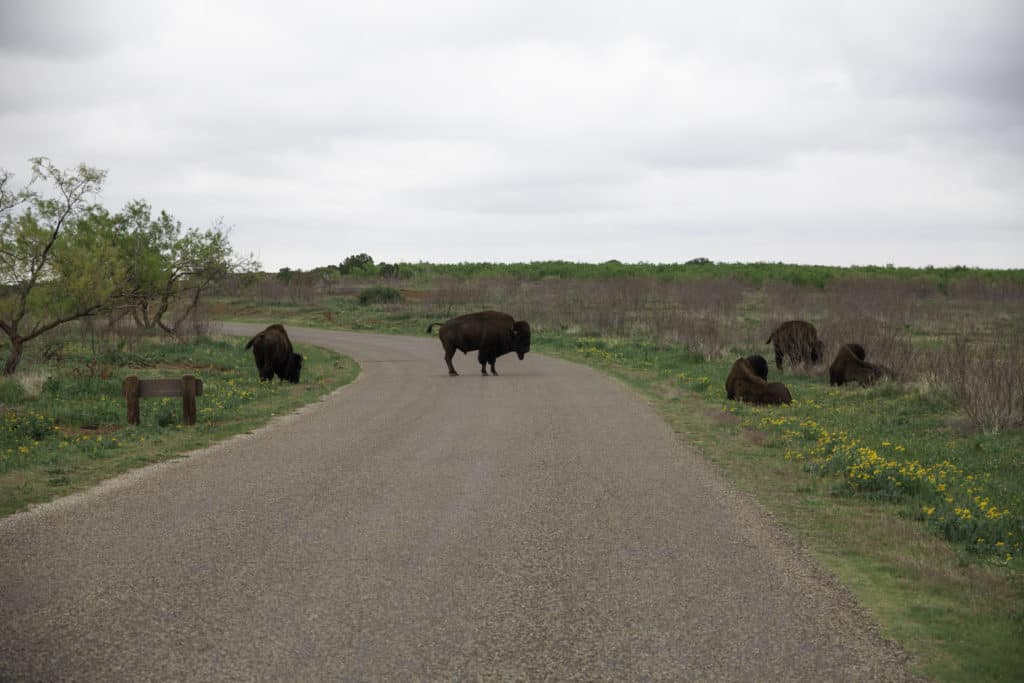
x: 755, y: 437
x: 88, y: 430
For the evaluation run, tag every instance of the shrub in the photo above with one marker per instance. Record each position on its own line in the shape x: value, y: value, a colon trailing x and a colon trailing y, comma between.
x: 986, y: 379
x: 380, y: 295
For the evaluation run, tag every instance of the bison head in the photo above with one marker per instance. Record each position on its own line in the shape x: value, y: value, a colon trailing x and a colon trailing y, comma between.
x: 293, y: 368
x: 858, y: 350
x: 521, y: 338
x: 759, y: 365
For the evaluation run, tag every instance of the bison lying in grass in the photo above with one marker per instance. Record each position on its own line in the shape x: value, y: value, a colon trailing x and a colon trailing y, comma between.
x: 758, y: 365
x: 745, y: 384
x: 492, y: 333
x: 850, y: 366
x: 273, y: 352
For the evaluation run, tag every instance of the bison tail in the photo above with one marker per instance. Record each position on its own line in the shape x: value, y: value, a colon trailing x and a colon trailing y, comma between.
x: 249, y: 343
x: 770, y: 338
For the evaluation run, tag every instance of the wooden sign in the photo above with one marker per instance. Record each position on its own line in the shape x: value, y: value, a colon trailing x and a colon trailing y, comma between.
x: 188, y: 387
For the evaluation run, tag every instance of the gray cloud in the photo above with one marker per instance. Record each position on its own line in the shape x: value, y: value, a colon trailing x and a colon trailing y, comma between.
x: 540, y: 130
x: 60, y: 30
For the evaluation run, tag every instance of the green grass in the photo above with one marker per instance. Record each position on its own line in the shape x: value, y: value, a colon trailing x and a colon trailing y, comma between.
x: 956, y: 605
x: 70, y: 431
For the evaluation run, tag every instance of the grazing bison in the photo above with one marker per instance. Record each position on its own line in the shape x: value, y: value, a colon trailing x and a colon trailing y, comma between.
x: 850, y: 366
x: 799, y: 340
x: 745, y: 384
x: 272, y: 350
x: 492, y: 333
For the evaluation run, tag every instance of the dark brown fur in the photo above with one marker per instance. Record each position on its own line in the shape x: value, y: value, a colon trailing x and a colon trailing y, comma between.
x: 850, y: 366
x: 758, y: 365
x: 799, y: 340
x: 273, y: 352
x: 491, y: 333
x: 744, y: 384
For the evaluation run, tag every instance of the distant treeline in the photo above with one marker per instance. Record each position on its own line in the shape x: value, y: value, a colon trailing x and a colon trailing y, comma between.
x: 755, y: 273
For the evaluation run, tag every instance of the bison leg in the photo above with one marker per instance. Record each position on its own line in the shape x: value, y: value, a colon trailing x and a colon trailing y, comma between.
x: 267, y: 373
x: 778, y: 358
x: 484, y: 359
x: 449, y: 352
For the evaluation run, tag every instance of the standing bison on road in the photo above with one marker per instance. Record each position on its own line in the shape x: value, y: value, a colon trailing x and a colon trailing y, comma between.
x: 799, y: 340
x: 273, y: 352
x: 492, y: 333
x: 744, y: 383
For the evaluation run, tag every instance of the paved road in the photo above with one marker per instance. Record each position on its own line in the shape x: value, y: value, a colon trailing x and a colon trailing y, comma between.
x: 541, y: 524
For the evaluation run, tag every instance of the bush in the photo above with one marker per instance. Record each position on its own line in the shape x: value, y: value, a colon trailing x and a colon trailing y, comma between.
x: 986, y: 379
x: 380, y: 295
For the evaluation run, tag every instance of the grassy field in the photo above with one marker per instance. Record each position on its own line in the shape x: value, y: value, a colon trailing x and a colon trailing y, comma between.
x: 62, y: 419
x: 917, y: 510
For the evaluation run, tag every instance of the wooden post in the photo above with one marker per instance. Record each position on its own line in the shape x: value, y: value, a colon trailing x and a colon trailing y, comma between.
x: 131, y: 389
x: 188, y: 387
x: 188, y: 399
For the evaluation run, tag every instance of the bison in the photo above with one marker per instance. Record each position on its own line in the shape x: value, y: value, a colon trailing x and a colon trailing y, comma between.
x: 273, y: 352
x: 758, y: 365
x: 492, y: 333
x: 745, y: 384
x: 850, y: 366
x: 799, y: 340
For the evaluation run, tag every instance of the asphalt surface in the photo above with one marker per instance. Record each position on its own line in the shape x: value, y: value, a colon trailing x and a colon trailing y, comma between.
x: 543, y: 524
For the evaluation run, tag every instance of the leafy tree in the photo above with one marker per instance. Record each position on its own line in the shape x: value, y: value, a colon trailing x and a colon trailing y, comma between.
x: 171, y: 267
x: 203, y: 258
x: 357, y: 264
x: 325, y: 275
x: 388, y: 271
x: 146, y: 245
x: 57, y: 262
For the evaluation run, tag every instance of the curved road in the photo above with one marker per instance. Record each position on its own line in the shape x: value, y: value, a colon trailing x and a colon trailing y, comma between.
x: 540, y: 524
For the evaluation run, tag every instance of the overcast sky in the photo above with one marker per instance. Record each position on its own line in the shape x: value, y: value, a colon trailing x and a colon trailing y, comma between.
x: 806, y: 132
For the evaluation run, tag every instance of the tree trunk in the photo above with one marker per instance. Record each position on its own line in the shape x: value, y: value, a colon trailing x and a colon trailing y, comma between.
x: 14, y: 356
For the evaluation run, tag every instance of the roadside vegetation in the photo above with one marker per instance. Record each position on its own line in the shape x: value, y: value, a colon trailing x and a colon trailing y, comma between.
x: 63, y: 418
x: 912, y: 492
x: 65, y: 258
x: 89, y: 296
